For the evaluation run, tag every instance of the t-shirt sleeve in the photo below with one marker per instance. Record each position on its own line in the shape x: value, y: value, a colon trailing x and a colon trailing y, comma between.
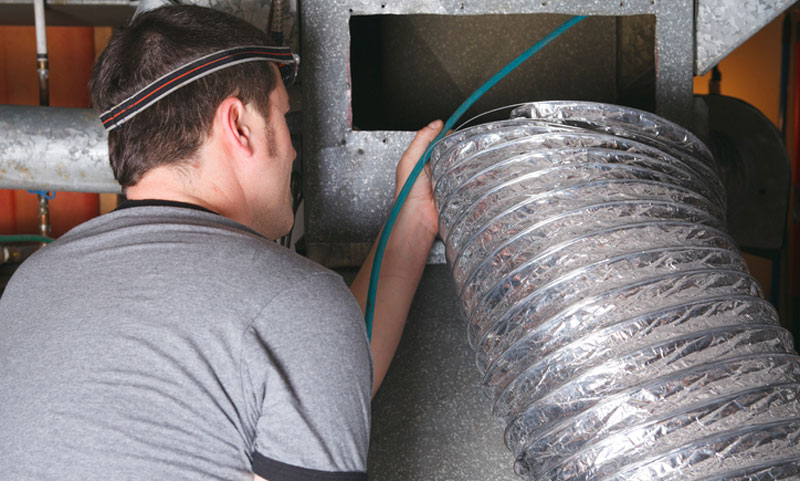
x: 307, y: 372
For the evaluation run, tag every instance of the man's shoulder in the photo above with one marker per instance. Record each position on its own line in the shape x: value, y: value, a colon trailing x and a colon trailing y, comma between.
x: 202, y: 246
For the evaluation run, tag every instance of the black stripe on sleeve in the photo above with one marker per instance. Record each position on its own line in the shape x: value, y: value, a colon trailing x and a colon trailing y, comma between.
x: 272, y: 470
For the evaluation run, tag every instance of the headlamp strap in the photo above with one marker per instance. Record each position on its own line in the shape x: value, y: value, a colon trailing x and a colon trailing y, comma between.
x: 172, y: 81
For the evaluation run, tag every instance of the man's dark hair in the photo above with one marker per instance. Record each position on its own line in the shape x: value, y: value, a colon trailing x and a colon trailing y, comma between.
x: 155, y: 43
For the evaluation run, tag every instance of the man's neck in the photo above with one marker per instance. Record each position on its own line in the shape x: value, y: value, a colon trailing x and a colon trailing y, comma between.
x: 167, y: 183
x: 131, y: 203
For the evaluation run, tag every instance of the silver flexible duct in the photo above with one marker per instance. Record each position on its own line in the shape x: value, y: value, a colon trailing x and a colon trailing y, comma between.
x: 619, y: 333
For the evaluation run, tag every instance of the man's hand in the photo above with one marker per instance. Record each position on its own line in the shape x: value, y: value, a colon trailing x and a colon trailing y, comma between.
x: 420, y: 198
x: 404, y: 258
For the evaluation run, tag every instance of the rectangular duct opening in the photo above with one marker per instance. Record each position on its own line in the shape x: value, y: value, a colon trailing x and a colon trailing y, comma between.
x: 409, y: 69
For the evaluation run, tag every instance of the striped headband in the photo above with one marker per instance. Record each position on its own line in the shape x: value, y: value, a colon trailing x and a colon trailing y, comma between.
x: 166, y: 84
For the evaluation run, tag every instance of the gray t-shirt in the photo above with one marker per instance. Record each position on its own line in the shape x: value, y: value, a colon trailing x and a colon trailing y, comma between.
x: 163, y: 342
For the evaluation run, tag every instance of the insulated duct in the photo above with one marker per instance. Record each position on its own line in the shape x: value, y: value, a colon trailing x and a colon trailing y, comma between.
x: 619, y: 333
x: 54, y: 148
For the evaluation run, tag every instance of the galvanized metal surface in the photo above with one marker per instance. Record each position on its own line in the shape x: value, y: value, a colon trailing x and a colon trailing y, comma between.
x: 53, y: 148
x: 255, y: 12
x: 723, y: 25
x: 674, y: 53
x: 457, y: 53
x: 349, y: 174
x: 430, y: 421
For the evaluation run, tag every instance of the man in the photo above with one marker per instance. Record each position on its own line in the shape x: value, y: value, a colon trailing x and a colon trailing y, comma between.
x: 171, y: 339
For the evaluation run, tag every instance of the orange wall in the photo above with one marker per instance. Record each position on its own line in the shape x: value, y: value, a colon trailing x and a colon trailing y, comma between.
x: 752, y: 71
x: 71, y: 51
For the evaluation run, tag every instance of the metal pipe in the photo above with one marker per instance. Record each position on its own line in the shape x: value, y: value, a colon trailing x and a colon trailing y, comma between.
x: 43, y: 67
x: 147, y: 5
x: 66, y: 149
x: 54, y: 148
x: 619, y: 333
x: 43, y: 71
x: 16, y: 254
x: 44, y: 216
x: 275, y: 22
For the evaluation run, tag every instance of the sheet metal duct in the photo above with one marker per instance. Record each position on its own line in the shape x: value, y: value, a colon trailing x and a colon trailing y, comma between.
x: 723, y: 25
x: 349, y: 168
x: 54, y: 148
x: 255, y: 12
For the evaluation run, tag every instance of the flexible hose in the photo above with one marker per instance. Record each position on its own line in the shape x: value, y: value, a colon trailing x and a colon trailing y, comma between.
x: 619, y: 333
x: 401, y: 197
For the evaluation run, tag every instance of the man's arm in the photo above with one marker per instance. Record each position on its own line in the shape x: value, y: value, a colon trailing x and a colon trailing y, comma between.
x: 403, y: 262
x: 404, y: 258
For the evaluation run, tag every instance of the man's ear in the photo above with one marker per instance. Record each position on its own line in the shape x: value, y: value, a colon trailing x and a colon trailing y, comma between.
x: 233, y: 126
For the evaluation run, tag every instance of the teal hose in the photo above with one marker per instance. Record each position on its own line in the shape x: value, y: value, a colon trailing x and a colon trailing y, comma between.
x: 401, y: 198
x: 20, y: 238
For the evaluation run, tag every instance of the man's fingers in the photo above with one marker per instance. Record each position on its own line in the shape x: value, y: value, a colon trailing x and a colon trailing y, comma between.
x: 414, y: 151
x: 423, y: 138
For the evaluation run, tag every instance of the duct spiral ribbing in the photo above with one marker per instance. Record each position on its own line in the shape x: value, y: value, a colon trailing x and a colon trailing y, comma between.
x: 619, y: 333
